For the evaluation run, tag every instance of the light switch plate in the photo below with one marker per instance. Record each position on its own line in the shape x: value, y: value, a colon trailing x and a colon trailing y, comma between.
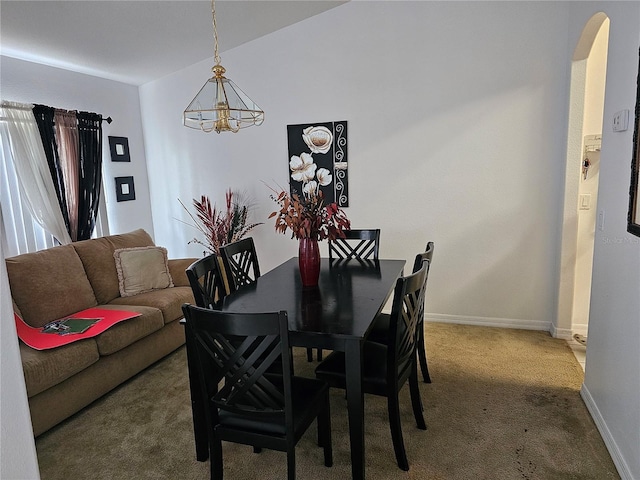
x: 621, y: 121
x: 585, y: 201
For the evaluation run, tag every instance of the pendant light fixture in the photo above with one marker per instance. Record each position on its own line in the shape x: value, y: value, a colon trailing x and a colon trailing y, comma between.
x: 220, y: 105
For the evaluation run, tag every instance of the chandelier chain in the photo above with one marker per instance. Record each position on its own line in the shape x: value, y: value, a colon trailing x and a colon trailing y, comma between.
x: 216, y: 56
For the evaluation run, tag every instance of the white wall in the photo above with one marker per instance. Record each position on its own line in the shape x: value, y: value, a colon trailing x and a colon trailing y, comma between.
x: 17, y: 451
x: 612, y: 379
x: 457, y: 127
x: 34, y: 83
x: 457, y: 117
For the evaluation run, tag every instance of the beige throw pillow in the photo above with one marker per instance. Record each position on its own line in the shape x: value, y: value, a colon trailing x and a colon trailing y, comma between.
x: 142, y: 269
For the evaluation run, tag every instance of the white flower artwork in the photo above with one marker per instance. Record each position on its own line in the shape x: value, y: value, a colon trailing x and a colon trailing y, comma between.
x: 324, y: 177
x: 318, y: 160
x: 302, y: 168
x: 318, y: 139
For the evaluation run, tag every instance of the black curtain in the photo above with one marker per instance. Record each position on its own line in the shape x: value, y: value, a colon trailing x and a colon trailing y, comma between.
x: 45, y: 119
x: 90, y: 157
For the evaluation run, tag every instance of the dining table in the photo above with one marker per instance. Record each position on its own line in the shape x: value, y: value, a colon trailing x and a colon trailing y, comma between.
x: 337, y: 314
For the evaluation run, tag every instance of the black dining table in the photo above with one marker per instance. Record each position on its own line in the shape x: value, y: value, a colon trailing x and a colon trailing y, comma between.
x: 335, y: 315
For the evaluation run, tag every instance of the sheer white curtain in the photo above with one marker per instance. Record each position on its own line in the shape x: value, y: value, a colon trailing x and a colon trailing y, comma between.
x: 22, y: 147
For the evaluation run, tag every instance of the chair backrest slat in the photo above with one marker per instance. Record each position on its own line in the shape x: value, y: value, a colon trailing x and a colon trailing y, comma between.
x: 405, y: 317
x: 238, y: 350
x: 359, y: 244
x: 426, y: 255
x: 420, y: 258
x: 206, y: 281
x: 240, y: 263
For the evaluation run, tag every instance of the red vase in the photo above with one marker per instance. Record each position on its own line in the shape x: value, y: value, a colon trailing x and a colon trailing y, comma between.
x: 309, y: 261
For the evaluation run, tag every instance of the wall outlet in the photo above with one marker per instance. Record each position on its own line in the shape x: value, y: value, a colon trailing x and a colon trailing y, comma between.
x: 621, y: 121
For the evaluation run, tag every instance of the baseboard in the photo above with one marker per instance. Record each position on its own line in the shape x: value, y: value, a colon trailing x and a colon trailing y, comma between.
x: 489, y: 321
x: 581, y: 329
x: 610, y: 443
x: 563, y: 333
x: 568, y: 333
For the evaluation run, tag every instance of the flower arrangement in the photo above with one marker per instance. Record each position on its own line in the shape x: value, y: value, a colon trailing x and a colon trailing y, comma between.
x: 309, y: 217
x: 221, y: 227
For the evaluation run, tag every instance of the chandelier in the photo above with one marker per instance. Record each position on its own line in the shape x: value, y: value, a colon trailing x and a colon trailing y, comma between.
x: 220, y: 105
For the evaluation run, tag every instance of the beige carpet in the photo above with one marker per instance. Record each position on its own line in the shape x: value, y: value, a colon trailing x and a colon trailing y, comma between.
x: 504, y: 404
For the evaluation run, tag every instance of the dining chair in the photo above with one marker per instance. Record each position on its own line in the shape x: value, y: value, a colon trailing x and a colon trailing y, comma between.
x: 358, y: 244
x: 205, y: 279
x: 243, y: 402
x: 208, y: 291
x: 380, y: 329
x: 386, y: 368
x: 240, y: 263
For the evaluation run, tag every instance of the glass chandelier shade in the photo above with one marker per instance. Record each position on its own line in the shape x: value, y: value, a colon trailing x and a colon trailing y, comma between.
x: 220, y: 105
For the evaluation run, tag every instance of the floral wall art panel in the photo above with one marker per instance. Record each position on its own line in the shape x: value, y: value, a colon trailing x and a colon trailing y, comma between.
x: 318, y: 160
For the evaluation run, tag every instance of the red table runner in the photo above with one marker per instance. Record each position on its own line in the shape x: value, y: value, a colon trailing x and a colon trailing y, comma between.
x: 38, y: 340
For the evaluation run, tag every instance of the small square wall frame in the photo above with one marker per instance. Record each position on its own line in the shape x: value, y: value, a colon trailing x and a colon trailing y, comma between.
x: 125, y: 189
x: 119, y: 147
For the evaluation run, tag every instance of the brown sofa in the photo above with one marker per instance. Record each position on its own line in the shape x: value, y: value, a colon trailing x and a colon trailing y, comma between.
x: 53, y: 283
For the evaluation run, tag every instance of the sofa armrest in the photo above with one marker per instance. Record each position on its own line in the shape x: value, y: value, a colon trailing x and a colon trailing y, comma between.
x: 177, y: 267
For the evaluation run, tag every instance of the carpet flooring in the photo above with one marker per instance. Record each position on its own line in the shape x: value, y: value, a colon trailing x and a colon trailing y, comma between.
x: 504, y: 404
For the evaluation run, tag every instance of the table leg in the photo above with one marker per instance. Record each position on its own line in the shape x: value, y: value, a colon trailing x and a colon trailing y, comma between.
x: 355, y: 406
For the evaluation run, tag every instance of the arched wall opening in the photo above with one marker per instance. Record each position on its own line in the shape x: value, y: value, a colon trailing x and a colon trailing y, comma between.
x: 580, y: 217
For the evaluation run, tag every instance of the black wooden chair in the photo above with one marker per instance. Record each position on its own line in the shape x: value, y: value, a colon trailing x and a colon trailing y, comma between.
x: 380, y: 330
x: 363, y: 244
x: 208, y: 291
x: 240, y: 263
x: 206, y: 281
x: 243, y: 403
x: 386, y: 368
x: 207, y: 285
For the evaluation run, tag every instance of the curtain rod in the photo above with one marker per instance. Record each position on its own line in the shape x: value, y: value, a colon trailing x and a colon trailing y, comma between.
x: 29, y: 106
x: 108, y: 119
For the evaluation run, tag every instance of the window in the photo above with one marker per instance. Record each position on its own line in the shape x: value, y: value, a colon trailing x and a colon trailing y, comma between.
x: 20, y: 234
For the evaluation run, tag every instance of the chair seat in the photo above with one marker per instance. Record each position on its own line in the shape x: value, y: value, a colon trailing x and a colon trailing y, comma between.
x: 380, y: 330
x: 374, y: 369
x: 305, y: 392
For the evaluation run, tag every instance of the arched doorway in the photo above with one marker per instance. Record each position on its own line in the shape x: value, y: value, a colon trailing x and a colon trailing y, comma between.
x: 580, y: 215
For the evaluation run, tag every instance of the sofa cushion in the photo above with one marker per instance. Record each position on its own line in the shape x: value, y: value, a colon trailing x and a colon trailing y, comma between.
x: 129, y: 331
x: 97, y: 257
x: 45, y: 368
x: 49, y: 284
x: 169, y: 301
x: 142, y: 269
x: 178, y: 270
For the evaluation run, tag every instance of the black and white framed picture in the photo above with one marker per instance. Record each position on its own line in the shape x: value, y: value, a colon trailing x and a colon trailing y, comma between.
x: 119, y: 147
x: 125, y: 189
x: 318, y: 160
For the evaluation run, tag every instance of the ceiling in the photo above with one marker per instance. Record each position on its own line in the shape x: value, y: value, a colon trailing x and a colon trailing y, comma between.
x: 138, y: 41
